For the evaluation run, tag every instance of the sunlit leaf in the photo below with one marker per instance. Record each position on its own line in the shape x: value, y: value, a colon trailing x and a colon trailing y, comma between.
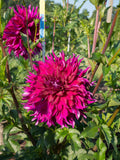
x: 100, y: 155
x: 107, y: 133
x: 90, y: 132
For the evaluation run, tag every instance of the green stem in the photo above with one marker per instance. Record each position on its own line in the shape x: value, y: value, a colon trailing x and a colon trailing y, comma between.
x: 53, y: 34
x: 114, y: 57
x: 25, y: 129
x: 113, y: 116
x: 109, y: 63
x: 35, y: 32
x: 106, y: 44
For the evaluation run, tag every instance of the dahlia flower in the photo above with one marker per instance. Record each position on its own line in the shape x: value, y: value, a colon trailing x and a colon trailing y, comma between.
x: 16, y: 28
x: 57, y: 93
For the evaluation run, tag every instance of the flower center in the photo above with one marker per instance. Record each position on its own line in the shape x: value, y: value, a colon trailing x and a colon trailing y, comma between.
x: 55, y: 83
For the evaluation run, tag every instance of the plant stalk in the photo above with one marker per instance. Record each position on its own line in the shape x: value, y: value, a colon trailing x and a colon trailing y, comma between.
x: 106, y: 44
x: 29, y: 50
x: 67, y: 5
x: 93, y: 73
x: 95, y: 30
x: 88, y: 42
x: 110, y: 33
x: 109, y: 63
x: 25, y: 129
x: 53, y: 34
x: 113, y: 117
x: 97, y: 26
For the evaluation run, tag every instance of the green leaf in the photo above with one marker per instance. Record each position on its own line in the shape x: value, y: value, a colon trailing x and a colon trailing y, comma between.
x: 107, y: 133
x: 14, y: 114
x: 13, y: 145
x: 90, y: 132
x: 103, y: 59
x: 106, y: 69
x: 102, y: 11
x: 34, y: 44
x: 68, y: 153
x: 74, y: 131
x: 6, y: 131
x: 100, y: 155
x: 115, y: 143
x: 101, y: 106
x: 0, y: 4
x: 114, y: 102
x: 49, y: 138
x: 2, y: 68
x: 98, y: 57
x: 61, y: 134
x: 101, y: 1
x: 94, y: 2
x: 110, y: 157
x: 24, y: 39
x: 36, y: 21
x: 75, y: 142
x: 83, y: 155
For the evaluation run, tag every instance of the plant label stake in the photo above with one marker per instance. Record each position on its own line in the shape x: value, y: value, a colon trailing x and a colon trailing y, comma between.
x: 42, y: 26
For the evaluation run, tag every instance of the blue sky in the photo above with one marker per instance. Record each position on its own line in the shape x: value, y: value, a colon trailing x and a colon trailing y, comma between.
x: 87, y: 4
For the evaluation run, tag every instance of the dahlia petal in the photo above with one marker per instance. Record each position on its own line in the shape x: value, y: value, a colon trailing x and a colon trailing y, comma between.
x: 16, y: 26
x: 57, y: 93
x: 83, y: 72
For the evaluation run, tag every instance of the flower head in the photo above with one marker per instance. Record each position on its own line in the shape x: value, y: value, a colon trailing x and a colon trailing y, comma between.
x: 16, y: 30
x: 57, y: 93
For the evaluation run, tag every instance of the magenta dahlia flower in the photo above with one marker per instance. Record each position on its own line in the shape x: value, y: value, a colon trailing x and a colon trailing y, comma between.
x: 57, y: 93
x: 16, y: 28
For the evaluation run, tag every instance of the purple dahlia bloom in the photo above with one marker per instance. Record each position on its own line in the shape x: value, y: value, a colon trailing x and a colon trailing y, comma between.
x: 17, y: 27
x: 57, y: 93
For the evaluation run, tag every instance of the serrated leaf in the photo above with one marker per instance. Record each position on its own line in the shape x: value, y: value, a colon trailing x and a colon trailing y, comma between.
x: 49, y: 138
x: 13, y: 145
x: 115, y: 143
x: 107, y: 133
x: 2, y: 68
x: 100, y: 155
x: 75, y: 142
x: 68, y: 153
x: 90, y: 132
x: 14, y: 114
x: 6, y: 131
x: 106, y: 69
x: 34, y: 44
x: 74, y: 131
x: 24, y: 39
x: 83, y: 155
x: 99, y: 58
x: 61, y: 134
x: 114, y: 102
x: 94, y: 2
x: 96, y: 57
